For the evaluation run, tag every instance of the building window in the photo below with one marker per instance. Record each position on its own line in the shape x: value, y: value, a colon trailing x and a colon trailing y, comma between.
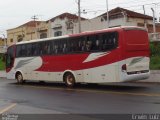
x: 11, y: 40
x: 20, y: 38
x: 43, y: 35
x: 69, y: 25
x: 58, y: 33
x: 140, y: 24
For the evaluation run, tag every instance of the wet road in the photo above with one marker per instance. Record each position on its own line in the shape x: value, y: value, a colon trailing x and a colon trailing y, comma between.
x: 54, y: 98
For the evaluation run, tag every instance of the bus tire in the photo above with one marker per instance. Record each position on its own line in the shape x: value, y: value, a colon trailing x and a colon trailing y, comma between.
x: 19, y: 78
x: 69, y: 79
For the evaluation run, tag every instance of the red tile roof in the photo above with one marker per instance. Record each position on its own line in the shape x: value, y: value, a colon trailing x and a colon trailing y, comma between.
x: 129, y: 13
x: 67, y: 15
x: 31, y: 23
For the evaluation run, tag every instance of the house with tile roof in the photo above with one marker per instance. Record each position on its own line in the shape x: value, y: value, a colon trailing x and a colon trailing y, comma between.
x: 24, y: 32
x: 1, y: 41
x: 2, y: 45
x: 63, y: 24
x: 60, y: 25
x: 117, y: 17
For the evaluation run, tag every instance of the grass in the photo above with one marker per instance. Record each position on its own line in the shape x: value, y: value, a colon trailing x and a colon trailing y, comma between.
x: 2, y: 64
x: 155, y: 56
x: 155, y: 63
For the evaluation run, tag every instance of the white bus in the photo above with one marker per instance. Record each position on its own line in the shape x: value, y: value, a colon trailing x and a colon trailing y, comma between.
x: 112, y: 55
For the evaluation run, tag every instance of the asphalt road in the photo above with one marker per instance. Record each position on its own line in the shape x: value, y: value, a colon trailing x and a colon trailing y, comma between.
x: 53, y: 98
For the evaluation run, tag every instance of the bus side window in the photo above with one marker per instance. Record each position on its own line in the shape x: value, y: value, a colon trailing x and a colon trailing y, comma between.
x: 52, y: 48
x: 34, y: 49
x: 49, y: 47
x: 41, y: 45
x: 95, y: 43
x: 79, y: 44
x: 29, y: 49
x: 109, y: 41
x: 88, y: 43
x: 45, y: 48
x: 38, y: 50
x: 60, y: 47
x: 64, y: 46
x: 115, y: 39
x: 72, y: 45
x: 104, y: 41
x: 55, y: 47
x: 23, y: 50
x: 83, y: 47
x: 18, y: 51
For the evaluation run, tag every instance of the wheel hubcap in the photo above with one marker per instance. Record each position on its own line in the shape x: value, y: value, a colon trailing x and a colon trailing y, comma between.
x: 19, y: 78
x: 70, y: 80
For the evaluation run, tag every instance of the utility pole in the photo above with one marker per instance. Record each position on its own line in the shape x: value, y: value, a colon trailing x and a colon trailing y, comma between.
x: 35, y: 22
x: 107, y: 14
x: 79, y: 15
x: 124, y: 17
x: 145, y: 23
x: 154, y: 25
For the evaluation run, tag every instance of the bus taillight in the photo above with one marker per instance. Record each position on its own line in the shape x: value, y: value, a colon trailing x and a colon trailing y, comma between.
x: 124, y: 67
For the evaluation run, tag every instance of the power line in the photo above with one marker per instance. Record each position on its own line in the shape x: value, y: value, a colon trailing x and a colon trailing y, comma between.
x: 89, y: 10
x: 130, y: 2
x: 141, y: 5
x: 120, y: 3
x: 134, y: 7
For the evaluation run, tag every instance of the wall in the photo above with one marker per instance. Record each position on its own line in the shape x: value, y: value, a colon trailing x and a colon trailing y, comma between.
x: 24, y: 32
x: 1, y: 42
x: 43, y: 28
x: 61, y: 25
x: 99, y: 23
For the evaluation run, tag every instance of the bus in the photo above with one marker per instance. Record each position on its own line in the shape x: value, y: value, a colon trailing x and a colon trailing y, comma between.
x: 117, y: 54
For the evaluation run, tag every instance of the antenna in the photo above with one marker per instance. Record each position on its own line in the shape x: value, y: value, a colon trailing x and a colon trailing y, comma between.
x: 34, y: 17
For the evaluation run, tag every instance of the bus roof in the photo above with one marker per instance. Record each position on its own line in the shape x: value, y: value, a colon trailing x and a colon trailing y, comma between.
x: 84, y: 33
x: 39, y: 40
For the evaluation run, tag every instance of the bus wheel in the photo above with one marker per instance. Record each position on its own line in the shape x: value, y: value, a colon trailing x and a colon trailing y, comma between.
x: 19, y: 78
x: 69, y: 79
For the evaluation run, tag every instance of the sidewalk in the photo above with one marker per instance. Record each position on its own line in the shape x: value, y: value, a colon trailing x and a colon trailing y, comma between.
x: 154, y: 76
x: 2, y: 74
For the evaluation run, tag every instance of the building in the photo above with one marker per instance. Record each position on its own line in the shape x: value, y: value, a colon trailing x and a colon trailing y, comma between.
x: 118, y: 17
x: 1, y: 41
x: 43, y: 29
x: 24, y: 32
x: 67, y: 23
x: 2, y: 45
x: 63, y: 24
x: 60, y: 25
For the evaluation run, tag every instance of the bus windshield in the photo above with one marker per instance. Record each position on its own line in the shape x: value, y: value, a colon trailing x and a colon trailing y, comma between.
x: 10, y: 57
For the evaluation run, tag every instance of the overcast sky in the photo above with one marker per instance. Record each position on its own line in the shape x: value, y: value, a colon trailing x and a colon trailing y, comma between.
x: 16, y: 12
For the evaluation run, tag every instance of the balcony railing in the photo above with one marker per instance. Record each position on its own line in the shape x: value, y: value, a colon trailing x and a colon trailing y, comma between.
x: 154, y: 37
